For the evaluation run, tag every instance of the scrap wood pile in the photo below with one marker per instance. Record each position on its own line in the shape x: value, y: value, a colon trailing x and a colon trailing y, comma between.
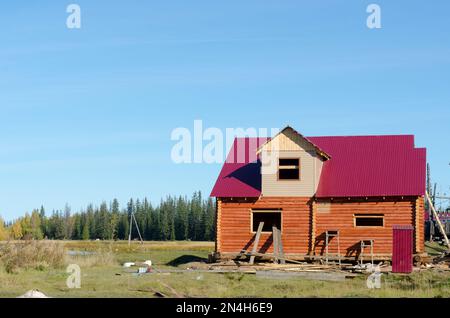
x: 266, y: 266
x: 286, y: 271
x: 441, y: 262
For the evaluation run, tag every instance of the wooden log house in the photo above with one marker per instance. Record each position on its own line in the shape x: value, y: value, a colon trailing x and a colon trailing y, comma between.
x: 356, y: 186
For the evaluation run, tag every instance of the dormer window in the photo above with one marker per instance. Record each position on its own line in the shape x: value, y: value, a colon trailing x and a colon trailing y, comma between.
x: 289, y: 169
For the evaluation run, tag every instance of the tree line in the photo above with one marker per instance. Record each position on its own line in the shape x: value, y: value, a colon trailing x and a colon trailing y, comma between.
x: 174, y: 218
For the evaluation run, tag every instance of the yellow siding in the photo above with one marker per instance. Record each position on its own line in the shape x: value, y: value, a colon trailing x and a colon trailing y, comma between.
x: 305, y: 187
x: 290, y: 145
x: 318, y: 170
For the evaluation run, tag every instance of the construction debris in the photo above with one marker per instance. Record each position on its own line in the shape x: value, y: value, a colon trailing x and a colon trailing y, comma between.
x: 144, y: 270
x: 275, y: 257
x: 128, y: 264
x: 292, y: 268
x: 148, y: 263
x: 142, y: 267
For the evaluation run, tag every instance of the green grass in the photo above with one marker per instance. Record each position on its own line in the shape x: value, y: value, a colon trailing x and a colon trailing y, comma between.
x: 109, y: 279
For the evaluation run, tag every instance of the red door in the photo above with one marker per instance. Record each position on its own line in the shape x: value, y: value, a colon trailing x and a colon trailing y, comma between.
x: 402, y: 249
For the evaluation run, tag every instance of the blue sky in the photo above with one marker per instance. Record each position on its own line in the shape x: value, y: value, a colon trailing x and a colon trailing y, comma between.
x: 86, y: 115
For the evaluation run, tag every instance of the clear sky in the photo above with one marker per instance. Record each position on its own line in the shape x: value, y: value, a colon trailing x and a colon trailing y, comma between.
x: 86, y: 115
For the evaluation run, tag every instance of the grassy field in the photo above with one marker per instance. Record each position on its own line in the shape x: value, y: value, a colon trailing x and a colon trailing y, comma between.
x: 102, y: 275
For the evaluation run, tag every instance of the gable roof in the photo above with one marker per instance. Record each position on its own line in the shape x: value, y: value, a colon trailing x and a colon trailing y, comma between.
x: 319, y: 151
x: 360, y: 166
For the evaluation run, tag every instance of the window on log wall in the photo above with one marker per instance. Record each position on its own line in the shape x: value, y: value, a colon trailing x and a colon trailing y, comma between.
x: 269, y: 217
x: 369, y: 220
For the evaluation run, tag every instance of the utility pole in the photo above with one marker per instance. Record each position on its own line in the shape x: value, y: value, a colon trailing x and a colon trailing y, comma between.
x: 434, y: 194
x: 131, y: 227
x: 132, y: 217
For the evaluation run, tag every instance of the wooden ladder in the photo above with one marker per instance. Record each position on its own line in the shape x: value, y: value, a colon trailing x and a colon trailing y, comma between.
x: 364, y: 244
x: 329, y: 234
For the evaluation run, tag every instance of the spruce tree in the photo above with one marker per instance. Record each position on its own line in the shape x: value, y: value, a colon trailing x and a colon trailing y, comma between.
x: 210, y: 216
x: 148, y: 227
x: 182, y: 219
x: 77, y: 227
x: 91, y: 221
x: 114, y: 220
x: 123, y: 227
x: 85, y: 232
x: 164, y: 222
x: 58, y: 226
x: 103, y: 223
x: 171, y: 210
x: 195, y: 220
x: 68, y: 224
x: 156, y: 227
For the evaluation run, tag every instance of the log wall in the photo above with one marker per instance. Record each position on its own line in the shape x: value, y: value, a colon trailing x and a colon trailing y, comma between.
x: 304, y: 222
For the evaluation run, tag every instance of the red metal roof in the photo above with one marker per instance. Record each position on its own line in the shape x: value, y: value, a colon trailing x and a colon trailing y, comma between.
x: 241, y: 173
x: 371, y: 166
x: 360, y: 166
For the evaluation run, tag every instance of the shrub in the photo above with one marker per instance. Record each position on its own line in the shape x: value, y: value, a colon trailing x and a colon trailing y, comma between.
x: 31, y: 255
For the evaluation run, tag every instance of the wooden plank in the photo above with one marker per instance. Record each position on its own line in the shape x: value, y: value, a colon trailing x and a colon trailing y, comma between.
x: 280, y: 247
x: 275, y: 244
x: 286, y: 259
x: 255, y: 244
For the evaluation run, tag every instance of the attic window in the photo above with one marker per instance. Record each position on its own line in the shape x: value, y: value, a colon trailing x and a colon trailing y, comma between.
x: 369, y: 220
x: 289, y: 169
